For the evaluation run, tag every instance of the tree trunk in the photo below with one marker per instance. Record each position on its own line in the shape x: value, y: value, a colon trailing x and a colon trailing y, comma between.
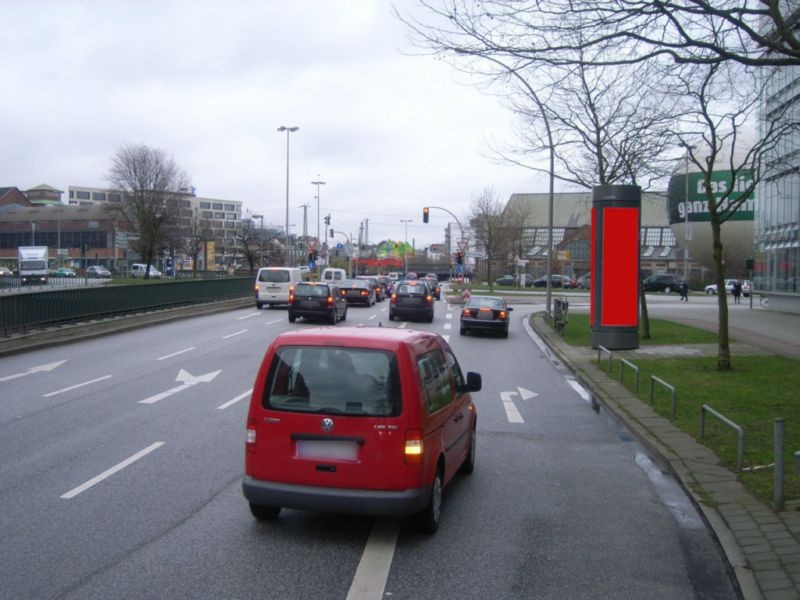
x: 723, y: 344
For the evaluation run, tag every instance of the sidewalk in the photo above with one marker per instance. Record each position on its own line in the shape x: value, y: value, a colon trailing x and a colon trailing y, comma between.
x: 762, y: 546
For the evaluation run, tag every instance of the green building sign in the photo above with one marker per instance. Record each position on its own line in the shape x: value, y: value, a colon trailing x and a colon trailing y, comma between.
x: 697, y: 205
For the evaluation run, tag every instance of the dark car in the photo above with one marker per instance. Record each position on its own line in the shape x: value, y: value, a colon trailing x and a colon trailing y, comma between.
x: 312, y: 300
x: 485, y: 313
x: 433, y: 284
x: 380, y: 296
x: 411, y: 300
x: 557, y: 281
x: 98, y: 271
x: 505, y: 280
x: 358, y: 291
x: 662, y: 283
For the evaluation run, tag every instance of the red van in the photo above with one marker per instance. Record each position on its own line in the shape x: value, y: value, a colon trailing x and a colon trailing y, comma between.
x: 368, y: 420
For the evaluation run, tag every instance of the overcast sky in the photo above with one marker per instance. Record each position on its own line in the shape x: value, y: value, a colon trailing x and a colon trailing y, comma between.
x: 210, y: 82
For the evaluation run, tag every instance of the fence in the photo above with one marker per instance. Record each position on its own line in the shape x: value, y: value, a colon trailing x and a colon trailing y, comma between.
x: 28, y: 310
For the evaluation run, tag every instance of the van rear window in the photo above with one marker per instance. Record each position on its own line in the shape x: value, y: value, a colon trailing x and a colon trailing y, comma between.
x: 277, y: 276
x: 333, y: 380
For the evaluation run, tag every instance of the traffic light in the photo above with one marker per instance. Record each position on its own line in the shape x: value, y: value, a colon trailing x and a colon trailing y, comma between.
x: 331, y: 232
x: 425, y: 211
x: 748, y: 263
x: 327, y: 219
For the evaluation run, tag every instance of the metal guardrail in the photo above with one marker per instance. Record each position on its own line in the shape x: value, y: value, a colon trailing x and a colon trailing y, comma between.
x: 28, y: 310
x: 600, y: 350
x: 705, y: 408
x: 622, y: 364
x: 671, y: 388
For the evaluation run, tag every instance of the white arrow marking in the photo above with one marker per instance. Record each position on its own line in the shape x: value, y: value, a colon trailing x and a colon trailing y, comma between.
x: 511, y: 409
x: 32, y: 370
x: 526, y: 394
x: 187, y: 380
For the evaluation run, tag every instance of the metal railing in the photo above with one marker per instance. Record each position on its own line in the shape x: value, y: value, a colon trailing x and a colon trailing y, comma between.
x: 622, y: 364
x: 705, y: 408
x: 671, y: 388
x: 28, y: 310
x: 600, y: 350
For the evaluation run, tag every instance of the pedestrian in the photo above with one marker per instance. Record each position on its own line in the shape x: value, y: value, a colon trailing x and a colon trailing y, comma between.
x: 685, y: 291
x: 737, y: 292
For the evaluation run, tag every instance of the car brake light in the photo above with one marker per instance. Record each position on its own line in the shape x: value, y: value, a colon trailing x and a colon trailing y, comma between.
x: 329, y: 300
x: 412, y: 453
x: 467, y: 312
x: 291, y: 297
x: 429, y: 299
x: 503, y: 314
x: 255, y: 289
x: 250, y: 440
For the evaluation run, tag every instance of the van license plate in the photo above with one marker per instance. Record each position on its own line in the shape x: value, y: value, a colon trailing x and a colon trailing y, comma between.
x: 327, y: 449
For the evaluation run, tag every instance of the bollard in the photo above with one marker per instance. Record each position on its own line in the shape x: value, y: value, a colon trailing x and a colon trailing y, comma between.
x: 779, y: 464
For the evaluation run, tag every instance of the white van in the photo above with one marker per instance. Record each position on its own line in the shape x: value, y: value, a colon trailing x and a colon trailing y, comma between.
x: 273, y: 285
x: 331, y: 275
x: 138, y: 270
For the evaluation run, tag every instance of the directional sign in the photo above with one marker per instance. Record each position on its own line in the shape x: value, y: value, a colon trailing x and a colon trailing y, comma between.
x: 187, y: 380
x: 32, y: 370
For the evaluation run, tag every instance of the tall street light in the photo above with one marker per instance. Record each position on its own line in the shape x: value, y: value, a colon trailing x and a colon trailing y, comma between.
x: 288, y: 130
x: 318, y: 183
x: 405, y: 246
x: 687, y: 234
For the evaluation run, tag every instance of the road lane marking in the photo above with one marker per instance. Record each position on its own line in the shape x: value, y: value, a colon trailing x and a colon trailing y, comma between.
x: 32, y: 370
x: 448, y: 315
x: 446, y: 338
x: 402, y: 325
x: 372, y: 317
x: 75, y: 387
x: 230, y: 335
x: 177, y: 353
x: 369, y: 581
x: 273, y: 322
x: 187, y: 380
x: 512, y: 413
x: 587, y: 397
x: 116, y: 468
x: 448, y: 326
x: 235, y: 400
x: 250, y: 316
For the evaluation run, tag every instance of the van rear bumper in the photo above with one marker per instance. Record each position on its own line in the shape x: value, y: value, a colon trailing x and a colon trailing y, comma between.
x: 336, y: 500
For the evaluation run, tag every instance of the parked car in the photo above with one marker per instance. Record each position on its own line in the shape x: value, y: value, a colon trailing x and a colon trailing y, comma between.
x: 358, y: 291
x: 662, y: 283
x: 485, y: 313
x: 557, y: 281
x: 98, y: 271
x: 411, y: 300
x: 584, y: 282
x: 362, y: 420
x: 5, y: 272
x: 312, y: 300
x: 505, y: 280
x: 712, y: 289
x: 747, y: 285
x: 138, y: 271
x: 62, y: 272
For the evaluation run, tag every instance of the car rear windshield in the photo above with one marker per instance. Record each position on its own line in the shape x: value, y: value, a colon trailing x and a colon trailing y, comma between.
x: 305, y: 289
x: 406, y: 289
x: 279, y: 276
x: 333, y: 380
x: 495, y: 303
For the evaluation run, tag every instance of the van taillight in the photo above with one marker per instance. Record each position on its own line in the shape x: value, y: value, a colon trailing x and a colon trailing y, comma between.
x: 329, y: 300
x: 250, y: 440
x: 412, y: 453
x: 255, y: 289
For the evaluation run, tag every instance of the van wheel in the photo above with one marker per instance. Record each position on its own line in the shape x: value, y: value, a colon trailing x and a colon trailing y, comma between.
x: 292, y: 318
x: 265, y: 513
x: 463, y: 331
x: 429, y: 518
x: 333, y: 316
x: 469, y: 463
x: 259, y: 305
x: 344, y: 315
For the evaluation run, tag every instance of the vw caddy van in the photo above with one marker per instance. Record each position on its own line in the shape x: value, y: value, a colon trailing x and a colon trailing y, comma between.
x: 368, y: 420
x: 274, y: 284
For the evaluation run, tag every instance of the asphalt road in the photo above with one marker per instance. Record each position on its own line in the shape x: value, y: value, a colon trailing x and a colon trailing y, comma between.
x: 122, y: 466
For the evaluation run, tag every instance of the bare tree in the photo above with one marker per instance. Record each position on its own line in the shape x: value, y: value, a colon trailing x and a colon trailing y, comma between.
x: 194, y: 236
x: 250, y: 238
x: 151, y: 183
x: 490, y: 228
x: 616, y: 31
x: 727, y: 97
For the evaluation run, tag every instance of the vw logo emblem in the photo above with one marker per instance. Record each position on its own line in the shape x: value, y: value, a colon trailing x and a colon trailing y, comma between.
x: 327, y: 424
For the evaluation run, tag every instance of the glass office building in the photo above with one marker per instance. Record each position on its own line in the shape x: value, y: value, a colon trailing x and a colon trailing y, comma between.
x: 777, y: 226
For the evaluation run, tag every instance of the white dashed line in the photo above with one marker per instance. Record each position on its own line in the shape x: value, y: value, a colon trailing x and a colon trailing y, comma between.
x: 448, y: 326
x: 104, y: 475
x: 75, y: 387
x: 369, y: 581
x: 176, y: 353
x: 250, y: 316
x: 230, y: 335
x: 235, y: 400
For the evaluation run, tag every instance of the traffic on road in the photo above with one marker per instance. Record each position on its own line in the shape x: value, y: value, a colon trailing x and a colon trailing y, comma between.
x: 124, y: 458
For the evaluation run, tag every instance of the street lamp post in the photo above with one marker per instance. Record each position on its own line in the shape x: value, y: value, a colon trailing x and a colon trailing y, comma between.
x: 318, y: 183
x: 260, y: 239
x: 687, y: 234
x: 288, y: 130
x: 405, y: 245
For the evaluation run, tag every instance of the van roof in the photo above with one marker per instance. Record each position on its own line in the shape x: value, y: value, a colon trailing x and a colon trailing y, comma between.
x: 380, y: 338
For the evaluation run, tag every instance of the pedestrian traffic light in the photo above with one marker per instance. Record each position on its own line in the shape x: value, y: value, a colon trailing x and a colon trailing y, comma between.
x: 425, y: 211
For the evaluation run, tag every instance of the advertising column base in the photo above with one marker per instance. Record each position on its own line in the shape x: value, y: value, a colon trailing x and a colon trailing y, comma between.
x: 615, y: 338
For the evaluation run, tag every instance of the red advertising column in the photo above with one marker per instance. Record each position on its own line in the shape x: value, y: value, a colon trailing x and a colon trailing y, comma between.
x: 614, y: 308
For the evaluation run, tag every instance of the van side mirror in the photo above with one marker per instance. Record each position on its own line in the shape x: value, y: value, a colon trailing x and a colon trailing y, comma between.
x: 474, y: 382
